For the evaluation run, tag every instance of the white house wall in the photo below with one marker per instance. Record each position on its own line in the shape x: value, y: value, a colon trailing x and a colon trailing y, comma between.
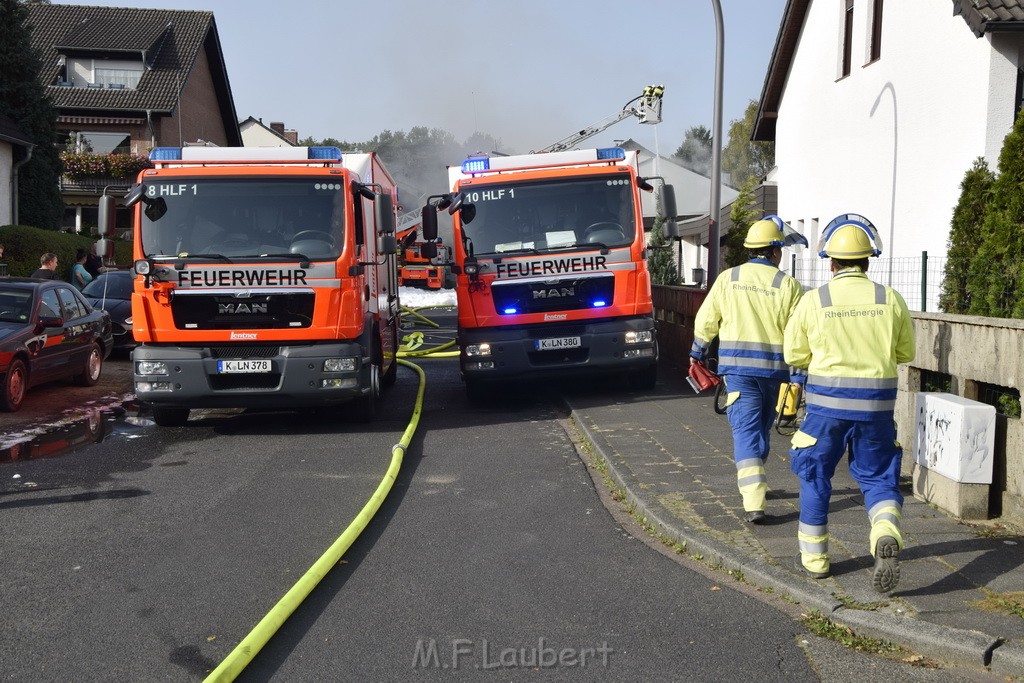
x: 892, y: 140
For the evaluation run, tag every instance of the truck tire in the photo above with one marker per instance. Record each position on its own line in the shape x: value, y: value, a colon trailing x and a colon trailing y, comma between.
x: 643, y: 379
x: 170, y: 417
x: 364, y: 408
x: 449, y: 279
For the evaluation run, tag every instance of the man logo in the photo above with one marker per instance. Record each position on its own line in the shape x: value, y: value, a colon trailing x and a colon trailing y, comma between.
x: 252, y: 309
x: 554, y: 293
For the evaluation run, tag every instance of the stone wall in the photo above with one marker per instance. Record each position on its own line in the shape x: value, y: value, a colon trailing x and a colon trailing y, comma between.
x: 972, y: 351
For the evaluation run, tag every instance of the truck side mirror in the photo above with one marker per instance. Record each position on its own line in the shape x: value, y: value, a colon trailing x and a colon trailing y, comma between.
x: 107, y: 216
x: 384, y: 214
x: 429, y: 224
x: 387, y: 244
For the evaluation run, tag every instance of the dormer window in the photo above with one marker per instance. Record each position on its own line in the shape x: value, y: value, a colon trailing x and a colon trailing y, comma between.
x: 88, y: 72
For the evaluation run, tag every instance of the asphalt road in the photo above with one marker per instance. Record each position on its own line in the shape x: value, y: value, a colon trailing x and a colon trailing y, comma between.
x: 151, y: 553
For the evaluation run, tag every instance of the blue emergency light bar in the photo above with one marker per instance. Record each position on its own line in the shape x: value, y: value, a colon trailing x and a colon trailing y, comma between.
x: 599, y: 304
x: 165, y: 154
x: 525, y: 161
x: 510, y: 311
x: 475, y: 164
x: 236, y: 153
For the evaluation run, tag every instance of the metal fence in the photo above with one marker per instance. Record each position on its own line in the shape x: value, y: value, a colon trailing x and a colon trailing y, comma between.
x: 918, y: 279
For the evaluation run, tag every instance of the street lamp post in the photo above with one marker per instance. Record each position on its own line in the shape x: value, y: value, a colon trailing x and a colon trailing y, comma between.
x: 716, y: 152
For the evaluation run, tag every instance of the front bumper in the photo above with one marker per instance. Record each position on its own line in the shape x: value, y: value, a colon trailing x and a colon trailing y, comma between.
x: 602, y: 348
x: 296, y: 377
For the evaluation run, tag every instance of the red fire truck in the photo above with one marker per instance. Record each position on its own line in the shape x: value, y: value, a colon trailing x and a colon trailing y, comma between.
x: 550, y: 262
x: 265, y: 277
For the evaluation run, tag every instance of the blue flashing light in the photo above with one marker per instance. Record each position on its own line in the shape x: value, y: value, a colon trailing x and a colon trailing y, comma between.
x: 610, y: 153
x: 476, y: 165
x: 165, y: 154
x: 324, y: 153
x: 510, y: 311
x: 599, y: 303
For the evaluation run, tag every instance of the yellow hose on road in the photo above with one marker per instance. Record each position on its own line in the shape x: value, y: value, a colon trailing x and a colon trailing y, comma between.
x: 246, y: 650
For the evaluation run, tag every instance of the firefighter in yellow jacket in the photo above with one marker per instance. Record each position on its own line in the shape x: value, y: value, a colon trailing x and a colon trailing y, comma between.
x: 748, y: 307
x: 850, y: 334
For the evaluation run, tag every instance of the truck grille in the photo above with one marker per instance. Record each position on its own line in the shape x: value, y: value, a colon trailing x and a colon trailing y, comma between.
x: 564, y: 294
x: 227, y: 312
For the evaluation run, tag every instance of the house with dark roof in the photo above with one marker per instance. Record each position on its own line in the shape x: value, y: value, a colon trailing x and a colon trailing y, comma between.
x: 880, y: 108
x: 125, y: 80
x: 255, y: 133
x: 15, y: 150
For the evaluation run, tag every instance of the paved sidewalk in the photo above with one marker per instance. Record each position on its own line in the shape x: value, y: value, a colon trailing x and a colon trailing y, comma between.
x: 672, y: 454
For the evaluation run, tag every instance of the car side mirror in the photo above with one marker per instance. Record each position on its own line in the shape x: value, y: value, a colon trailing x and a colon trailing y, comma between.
x: 51, y: 321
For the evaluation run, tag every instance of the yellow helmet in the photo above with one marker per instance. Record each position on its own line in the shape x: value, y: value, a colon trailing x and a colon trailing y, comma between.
x: 766, y: 232
x: 850, y: 236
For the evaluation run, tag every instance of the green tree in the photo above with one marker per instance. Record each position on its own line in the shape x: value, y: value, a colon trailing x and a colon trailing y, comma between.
x: 23, y: 100
x: 695, y: 151
x: 963, y: 243
x: 996, y: 276
x: 742, y: 214
x: 659, y: 257
x: 742, y: 158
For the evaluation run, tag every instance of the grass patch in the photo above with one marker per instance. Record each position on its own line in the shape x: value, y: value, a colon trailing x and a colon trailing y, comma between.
x: 1006, y: 603
x: 824, y: 627
x: 850, y: 603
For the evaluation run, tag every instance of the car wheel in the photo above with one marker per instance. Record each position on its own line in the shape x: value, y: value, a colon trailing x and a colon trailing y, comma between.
x: 90, y: 374
x: 15, y: 386
x: 170, y: 417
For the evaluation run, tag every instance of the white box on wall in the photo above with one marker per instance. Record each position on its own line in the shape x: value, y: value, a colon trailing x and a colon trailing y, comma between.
x: 955, y: 437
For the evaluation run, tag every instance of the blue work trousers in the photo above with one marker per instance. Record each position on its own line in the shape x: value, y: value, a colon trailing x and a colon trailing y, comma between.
x: 874, y: 462
x: 752, y: 414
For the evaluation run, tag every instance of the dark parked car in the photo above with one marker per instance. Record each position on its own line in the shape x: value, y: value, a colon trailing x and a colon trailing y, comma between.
x: 48, y: 331
x: 112, y: 291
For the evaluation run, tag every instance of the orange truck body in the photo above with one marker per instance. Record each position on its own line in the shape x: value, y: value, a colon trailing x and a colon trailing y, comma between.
x: 266, y: 279
x: 552, y: 276
x: 416, y: 270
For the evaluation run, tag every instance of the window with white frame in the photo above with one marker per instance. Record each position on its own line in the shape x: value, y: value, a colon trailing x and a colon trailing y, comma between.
x: 104, y: 73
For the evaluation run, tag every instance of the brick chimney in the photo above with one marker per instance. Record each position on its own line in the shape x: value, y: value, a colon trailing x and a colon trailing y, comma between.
x: 277, y: 127
x: 292, y: 136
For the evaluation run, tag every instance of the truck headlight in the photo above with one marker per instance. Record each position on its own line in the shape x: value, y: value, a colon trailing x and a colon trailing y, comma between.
x: 150, y: 367
x: 478, y: 349
x: 340, y: 365
x: 639, y: 337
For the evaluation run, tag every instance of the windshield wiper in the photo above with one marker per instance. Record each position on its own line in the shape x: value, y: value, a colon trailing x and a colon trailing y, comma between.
x: 214, y: 257
x: 520, y: 250
x: 291, y: 256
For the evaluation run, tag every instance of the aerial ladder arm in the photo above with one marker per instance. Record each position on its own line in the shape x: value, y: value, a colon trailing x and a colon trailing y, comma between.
x: 646, y: 107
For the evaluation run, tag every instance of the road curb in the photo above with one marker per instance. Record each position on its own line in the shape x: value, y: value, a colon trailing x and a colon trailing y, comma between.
x: 945, y: 644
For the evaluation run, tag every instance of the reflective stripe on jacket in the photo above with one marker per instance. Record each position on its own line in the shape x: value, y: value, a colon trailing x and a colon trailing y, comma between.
x: 748, y: 307
x: 851, y: 334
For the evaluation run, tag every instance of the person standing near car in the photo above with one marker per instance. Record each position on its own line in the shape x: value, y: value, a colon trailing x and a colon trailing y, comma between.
x: 850, y: 334
x: 47, y: 269
x: 80, y: 277
x: 748, y: 307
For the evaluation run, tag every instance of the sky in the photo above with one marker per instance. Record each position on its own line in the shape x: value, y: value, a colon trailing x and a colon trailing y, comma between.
x: 528, y: 72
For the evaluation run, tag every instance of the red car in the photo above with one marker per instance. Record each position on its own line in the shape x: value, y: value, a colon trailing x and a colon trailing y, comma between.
x: 48, y: 331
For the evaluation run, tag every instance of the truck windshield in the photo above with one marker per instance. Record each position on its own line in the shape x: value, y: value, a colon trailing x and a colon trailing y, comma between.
x: 269, y: 217
x: 551, y: 215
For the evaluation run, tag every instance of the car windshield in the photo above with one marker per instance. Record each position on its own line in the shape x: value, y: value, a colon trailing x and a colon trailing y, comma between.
x: 15, y: 305
x: 243, y: 217
x: 551, y: 215
x: 117, y: 285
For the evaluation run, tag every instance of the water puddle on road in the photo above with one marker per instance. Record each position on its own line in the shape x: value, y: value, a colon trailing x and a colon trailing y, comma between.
x: 63, y: 436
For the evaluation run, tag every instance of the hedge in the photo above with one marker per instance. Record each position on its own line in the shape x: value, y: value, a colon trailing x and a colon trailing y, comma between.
x: 23, y: 245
